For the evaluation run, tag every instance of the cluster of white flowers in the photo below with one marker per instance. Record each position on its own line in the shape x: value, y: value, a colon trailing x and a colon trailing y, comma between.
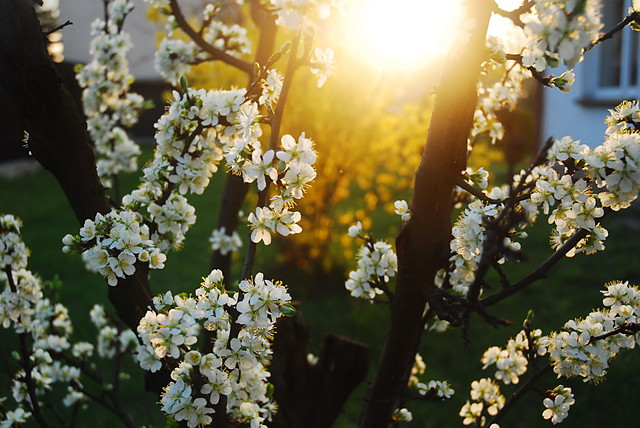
x: 107, y: 102
x: 578, y: 351
x: 499, y: 93
x: 512, y: 361
x: 486, y: 400
x: 467, y: 243
x: 112, y: 244
x: 25, y: 309
x: 13, y: 251
x: 175, y: 56
x: 558, y: 404
x: 291, y: 170
x: 184, y: 160
x: 235, y: 367
x: 224, y: 243
x: 559, y: 31
x: 574, y: 205
x: 440, y: 389
x: 614, y: 165
x: 377, y: 263
x: 566, y: 186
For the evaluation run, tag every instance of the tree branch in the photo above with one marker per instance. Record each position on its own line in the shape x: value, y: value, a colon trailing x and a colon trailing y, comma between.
x: 632, y: 17
x: 539, y: 273
x: 216, y: 54
x: 514, y: 15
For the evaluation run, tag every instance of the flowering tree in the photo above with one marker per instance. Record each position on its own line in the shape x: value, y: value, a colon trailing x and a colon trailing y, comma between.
x: 211, y: 353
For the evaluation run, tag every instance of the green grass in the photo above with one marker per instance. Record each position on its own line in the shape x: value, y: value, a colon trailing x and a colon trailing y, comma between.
x: 572, y: 290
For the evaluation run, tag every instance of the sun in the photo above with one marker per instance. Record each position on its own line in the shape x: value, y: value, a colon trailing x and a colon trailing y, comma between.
x: 402, y: 34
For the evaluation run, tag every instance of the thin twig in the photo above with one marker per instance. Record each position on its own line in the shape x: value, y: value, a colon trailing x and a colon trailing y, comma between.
x: 545, y: 80
x: 632, y: 17
x: 276, y: 122
x: 504, y: 281
x: 514, y: 15
x: 625, y: 328
x: 58, y: 28
x: 463, y: 184
x: 539, y: 273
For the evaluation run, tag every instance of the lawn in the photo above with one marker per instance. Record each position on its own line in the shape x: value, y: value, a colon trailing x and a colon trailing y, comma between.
x: 572, y: 290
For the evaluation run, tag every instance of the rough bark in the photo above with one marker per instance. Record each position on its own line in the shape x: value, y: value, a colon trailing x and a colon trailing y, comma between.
x: 58, y: 133
x: 423, y: 244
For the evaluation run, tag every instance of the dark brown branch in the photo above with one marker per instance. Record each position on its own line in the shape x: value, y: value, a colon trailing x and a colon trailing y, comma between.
x: 59, y: 27
x: 274, y: 138
x: 625, y: 328
x: 539, y: 273
x: 504, y: 281
x: 545, y: 80
x: 514, y: 15
x: 216, y: 54
x: 629, y: 19
x: 464, y: 185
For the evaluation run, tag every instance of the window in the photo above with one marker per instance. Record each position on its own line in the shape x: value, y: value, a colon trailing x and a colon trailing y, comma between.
x: 613, y: 65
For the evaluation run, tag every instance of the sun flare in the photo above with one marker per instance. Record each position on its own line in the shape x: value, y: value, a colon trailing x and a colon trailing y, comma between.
x: 404, y: 34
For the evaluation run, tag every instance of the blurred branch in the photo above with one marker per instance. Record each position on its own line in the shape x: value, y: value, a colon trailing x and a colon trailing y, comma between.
x: 216, y: 54
x: 514, y: 15
x: 545, y: 80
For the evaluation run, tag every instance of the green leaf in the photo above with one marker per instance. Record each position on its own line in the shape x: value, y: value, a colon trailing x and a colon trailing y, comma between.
x: 184, y: 84
x: 288, y: 310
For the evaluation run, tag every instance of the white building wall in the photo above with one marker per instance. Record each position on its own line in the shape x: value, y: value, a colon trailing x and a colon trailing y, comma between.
x: 570, y: 114
x: 76, y: 37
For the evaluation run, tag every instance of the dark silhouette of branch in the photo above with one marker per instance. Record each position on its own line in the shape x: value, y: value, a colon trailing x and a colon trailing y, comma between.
x: 216, y: 54
x: 545, y: 80
x: 625, y: 328
x: 59, y: 27
x: 464, y: 185
x: 274, y: 138
x: 539, y: 273
x: 514, y: 15
x: 629, y: 19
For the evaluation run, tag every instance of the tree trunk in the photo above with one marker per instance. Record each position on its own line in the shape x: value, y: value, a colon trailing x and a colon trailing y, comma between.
x: 423, y: 243
x: 58, y: 136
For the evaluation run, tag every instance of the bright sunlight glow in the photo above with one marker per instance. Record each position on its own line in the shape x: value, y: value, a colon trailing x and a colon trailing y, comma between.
x: 403, y: 34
